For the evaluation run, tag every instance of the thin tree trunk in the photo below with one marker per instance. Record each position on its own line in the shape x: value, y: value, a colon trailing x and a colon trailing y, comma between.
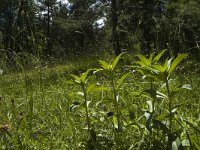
x: 115, y: 34
x: 48, y: 29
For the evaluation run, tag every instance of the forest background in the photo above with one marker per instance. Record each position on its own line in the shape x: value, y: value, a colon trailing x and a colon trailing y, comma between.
x: 50, y: 29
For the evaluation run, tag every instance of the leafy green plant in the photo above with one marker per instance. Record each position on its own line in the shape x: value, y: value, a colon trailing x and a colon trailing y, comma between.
x: 110, y: 70
x: 86, y: 88
x: 82, y: 81
x: 150, y: 68
x: 111, y: 106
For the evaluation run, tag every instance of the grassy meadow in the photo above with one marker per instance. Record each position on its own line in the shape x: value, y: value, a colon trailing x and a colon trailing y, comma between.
x: 131, y: 104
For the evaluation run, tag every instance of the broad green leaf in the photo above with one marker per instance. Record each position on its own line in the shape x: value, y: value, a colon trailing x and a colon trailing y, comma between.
x: 133, y: 66
x: 90, y: 77
x: 145, y: 70
x: 115, y: 123
x: 159, y: 68
x: 160, y: 95
x: 160, y: 76
x: 84, y: 76
x: 90, y: 88
x: 144, y: 77
x: 135, y: 93
x: 105, y: 72
x: 159, y: 56
x: 114, y: 63
x: 151, y: 57
x: 104, y: 65
x: 155, y: 94
x: 169, y: 62
x: 139, y: 94
x: 93, y: 88
x: 169, y: 81
x: 99, y: 102
x: 96, y: 70
x: 74, y: 105
x: 174, y: 110
x: 141, y: 63
x: 143, y: 60
x: 150, y: 104
x: 176, y: 144
x: 142, y: 72
x: 121, y: 80
x: 101, y: 89
x: 117, y: 98
x: 186, y: 86
x: 69, y: 82
x: 125, y: 124
x: 176, y: 62
x: 76, y: 78
x: 88, y: 103
x: 80, y: 93
x: 165, y: 64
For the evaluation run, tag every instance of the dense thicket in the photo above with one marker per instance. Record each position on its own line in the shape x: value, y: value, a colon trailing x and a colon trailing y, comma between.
x: 53, y: 28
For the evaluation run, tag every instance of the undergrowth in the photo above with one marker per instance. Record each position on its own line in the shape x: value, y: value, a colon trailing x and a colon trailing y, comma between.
x: 146, y: 104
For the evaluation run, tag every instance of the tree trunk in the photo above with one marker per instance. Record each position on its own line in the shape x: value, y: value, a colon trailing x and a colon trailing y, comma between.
x: 115, y: 34
x: 48, y: 28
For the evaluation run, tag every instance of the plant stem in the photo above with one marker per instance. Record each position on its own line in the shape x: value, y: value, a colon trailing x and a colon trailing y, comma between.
x: 115, y: 100
x: 153, y: 101
x: 169, y: 106
x: 170, y: 140
x: 86, y: 108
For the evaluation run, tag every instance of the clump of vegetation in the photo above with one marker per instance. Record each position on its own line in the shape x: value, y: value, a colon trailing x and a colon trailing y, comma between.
x: 112, y: 106
x: 59, y: 89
